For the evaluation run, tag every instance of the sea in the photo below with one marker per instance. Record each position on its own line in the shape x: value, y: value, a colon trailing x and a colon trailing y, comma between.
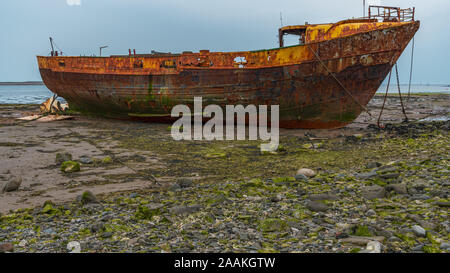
x: 38, y: 93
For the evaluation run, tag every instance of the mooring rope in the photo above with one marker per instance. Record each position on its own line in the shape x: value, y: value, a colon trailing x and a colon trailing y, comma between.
x: 384, y: 102
x: 411, y: 69
x: 339, y: 82
x: 400, y: 94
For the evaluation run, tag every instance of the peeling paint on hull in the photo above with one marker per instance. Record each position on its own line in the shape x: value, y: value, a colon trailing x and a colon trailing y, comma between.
x: 147, y: 87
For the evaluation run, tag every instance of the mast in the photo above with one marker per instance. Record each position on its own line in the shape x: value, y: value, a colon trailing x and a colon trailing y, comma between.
x: 51, y: 44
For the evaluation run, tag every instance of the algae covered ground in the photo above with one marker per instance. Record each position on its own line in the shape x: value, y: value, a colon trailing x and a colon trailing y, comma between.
x: 138, y: 190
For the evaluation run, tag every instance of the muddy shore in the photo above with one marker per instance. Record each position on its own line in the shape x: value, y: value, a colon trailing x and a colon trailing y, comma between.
x: 154, y: 194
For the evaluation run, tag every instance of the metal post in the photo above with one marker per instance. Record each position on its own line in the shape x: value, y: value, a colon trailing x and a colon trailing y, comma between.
x: 51, y: 44
x: 102, y: 47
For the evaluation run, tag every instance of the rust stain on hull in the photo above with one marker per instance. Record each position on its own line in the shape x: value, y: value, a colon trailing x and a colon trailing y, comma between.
x: 359, y: 54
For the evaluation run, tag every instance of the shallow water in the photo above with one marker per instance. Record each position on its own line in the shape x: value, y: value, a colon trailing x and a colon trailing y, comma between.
x: 36, y: 94
x: 24, y: 94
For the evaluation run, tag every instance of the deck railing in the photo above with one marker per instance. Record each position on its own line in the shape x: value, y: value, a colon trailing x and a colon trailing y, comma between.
x: 391, y: 14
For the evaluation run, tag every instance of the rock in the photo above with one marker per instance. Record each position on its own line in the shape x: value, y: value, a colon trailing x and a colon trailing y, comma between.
x: 419, y: 231
x: 443, y: 204
x: 133, y: 195
x: 185, y: 182
x: 13, y: 184
x: 6, y: 247
x: 273, y: 225
x: 367, y: 175
x: 98, y: 227
x: 316, y: 206
x: 107, y: 235
x: 373, y: 247
x: 49, y: 231
x: 420, y: 197
x: 389, y: 175
x: 373, y: 165
x: 185, y: 209
x: 397, y: 188
x: 74, y: 247
x: 306, y: 172
x: 70, y: 167
x: 445, y: 246
x: 276, y: 198
x: 23, y: 243
x: 361, y: 241
x: 370, y: 213
x: 373, y: 192
x: 85, y: 160
x: 107, y: 160
x: 301, y: 177
x: 63, y: 157
x: 87, y: 198
x: 322, y: 196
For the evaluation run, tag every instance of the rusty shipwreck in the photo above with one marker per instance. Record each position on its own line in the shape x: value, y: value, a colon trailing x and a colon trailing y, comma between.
x: 323, y: 82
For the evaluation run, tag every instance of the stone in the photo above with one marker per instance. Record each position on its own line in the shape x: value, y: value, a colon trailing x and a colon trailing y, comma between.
x: 373, y: 247
x: 185, y: 209
x: 74, y: 247
x: 107, y: 160
x: 98, y: 227
x: 361, y: 241
x: 13, y: 184
x: 23, y: 243
x: 322, y: 196
x: 373, y: 165
x: 389, y: 175
x: 107, y: 235
x: 373, y: 192
x: 316, y: 206
x: 63, y: 157
x: 306, y: 172
x: 419, y: 231
x: 70, y: 167
x: 397, y: 188
x: 443, y: 204
x: 6, y: 247
x: 370, y: 213
x: 87, y: 198
x: 276, y: 198
x: 85, y: 160
x: 445, y: 246
x: 185, y: 182
x: 301, y: 177
x: 367, y: 175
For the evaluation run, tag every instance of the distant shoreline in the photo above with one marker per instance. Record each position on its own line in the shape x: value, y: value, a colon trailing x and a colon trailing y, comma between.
x: 23, y: 83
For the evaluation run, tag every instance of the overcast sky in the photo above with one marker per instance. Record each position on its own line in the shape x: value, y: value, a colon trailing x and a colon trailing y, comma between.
x: 81, y: 26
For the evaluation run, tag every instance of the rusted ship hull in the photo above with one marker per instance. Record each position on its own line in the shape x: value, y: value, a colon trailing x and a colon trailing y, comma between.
x: 324, y: 83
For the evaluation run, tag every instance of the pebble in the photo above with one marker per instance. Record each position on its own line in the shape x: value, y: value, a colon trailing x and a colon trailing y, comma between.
x: 397, y: 188
x: 373, y: 247
x: 85, y: 160
x: 373, y: 192
x: 74, y: 247
x: 306, y: 172
x: 22, y: 243
x: 419, y: 231
x: 13, y: 184
x: 301, y: 177
x: 371, y: 212
x: 367, y: 175
x: 63, y: 157
x: 316, y: 206
x: 185, y: 209
x: 322, y: 196
x: 185, y: 182
x: 6, y: 247
x: 445, y: 246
